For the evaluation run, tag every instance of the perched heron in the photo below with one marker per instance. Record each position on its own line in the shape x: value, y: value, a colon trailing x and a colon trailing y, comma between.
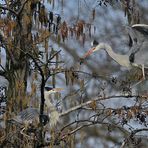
x: 138, y: 54
x: 30, y: 114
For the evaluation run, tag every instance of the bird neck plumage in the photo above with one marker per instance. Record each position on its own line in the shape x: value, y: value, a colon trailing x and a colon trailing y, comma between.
x: 111, y: 53
x: 123, y: 60
x: 53, y: 113
x: 47, y: 100
x: 48, y: 103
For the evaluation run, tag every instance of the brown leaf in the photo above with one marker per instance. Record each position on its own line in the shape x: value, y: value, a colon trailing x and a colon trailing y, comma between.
x: 134, y: 110
x: 93, y: 105
x: 129, y: 114
x: 80, y: 28
x: 109, y: 112
x: 64, y: 30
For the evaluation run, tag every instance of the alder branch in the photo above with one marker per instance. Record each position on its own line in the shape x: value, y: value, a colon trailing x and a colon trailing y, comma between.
x: 53, y: 56
x: 42, y: 85
x: 93, y: 123
x: 74, y: 122
x: 49, y: 62
x: 77, y: 129
x: 97, y: 99
x: 134, y: 132
x: 94, y: 75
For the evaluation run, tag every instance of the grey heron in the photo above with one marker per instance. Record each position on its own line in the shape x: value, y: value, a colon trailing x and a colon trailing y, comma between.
x: 30, y: 114
x: 137, y: 56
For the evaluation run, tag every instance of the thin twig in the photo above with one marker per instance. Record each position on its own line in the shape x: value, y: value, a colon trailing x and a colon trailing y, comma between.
x: 53, y: 56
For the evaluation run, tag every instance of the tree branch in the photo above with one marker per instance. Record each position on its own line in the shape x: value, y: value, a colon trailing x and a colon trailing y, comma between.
x: 20, y: 10
x: 134, y: 132
x: 97, y: 99
x: 42, y: 85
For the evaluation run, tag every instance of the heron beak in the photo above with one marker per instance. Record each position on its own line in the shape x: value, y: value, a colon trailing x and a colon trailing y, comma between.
x: 89, y: 52
x: 58, y: 89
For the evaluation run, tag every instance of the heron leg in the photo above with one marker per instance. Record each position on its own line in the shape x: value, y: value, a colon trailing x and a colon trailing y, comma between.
x: 143, y: 73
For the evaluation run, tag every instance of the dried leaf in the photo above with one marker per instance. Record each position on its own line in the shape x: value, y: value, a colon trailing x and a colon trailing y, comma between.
x: 109, y: 112
x: 64, y: 30
x: 93, y: 105
x: 134, y: 110
x: 129, y: 114
x: 58, y: 39
x: 80, y: 28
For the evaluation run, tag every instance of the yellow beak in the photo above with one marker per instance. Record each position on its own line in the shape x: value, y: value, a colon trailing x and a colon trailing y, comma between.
x: 57, y: 89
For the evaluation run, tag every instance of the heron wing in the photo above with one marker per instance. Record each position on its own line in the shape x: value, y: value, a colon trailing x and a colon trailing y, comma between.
x: 141, y: 57
x: 29, y: 114
x: 142, y: 28
x: 137, y: 43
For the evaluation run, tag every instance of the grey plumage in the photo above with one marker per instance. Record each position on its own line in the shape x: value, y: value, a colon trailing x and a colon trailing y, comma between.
x: 139, y: 50
x: 28, y: 114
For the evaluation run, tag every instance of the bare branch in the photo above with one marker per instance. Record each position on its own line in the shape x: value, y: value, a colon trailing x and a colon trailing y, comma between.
x: 138, y: 130
x: 97, y: 99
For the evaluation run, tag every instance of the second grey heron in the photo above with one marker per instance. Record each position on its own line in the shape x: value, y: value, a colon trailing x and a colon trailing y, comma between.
x: 30, y: 114
x: 137, y: 57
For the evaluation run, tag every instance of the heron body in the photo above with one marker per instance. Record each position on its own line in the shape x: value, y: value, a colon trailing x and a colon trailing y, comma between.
x: 137, y: 56
x: 139, y: 50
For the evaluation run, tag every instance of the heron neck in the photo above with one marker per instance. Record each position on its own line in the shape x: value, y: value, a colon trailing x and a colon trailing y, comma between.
x: 111, y: 53
x: 123, y: 60
x: 48, y: 101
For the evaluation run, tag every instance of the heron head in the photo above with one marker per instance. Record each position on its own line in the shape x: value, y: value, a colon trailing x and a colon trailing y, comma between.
x: 50, y: 90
